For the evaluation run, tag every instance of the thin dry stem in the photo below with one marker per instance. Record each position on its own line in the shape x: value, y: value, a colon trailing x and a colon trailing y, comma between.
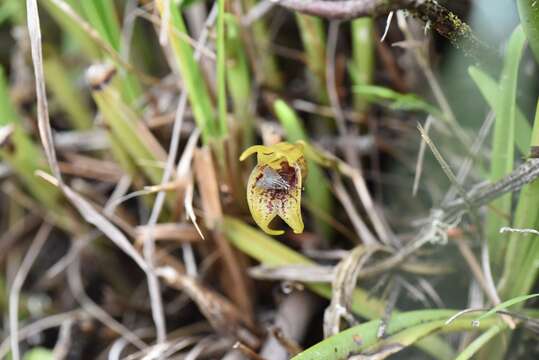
x: 38, y: 326
x: 18, y: 281
x: 77, y: 288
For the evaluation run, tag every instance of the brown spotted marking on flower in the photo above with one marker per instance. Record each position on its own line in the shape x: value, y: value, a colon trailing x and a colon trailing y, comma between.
x: 275, y: 184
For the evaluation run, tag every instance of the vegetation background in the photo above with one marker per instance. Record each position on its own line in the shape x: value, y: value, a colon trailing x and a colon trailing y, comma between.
x: 124, y: 226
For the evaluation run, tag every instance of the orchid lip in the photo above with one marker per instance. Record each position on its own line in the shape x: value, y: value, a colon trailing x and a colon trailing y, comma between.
x: 275, y: 185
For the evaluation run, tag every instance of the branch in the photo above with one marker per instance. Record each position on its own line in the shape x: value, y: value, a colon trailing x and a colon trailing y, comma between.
x: 345, y: 9
x: 431, y: 12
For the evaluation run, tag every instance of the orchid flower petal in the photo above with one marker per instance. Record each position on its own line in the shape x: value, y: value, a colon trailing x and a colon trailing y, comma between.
x: 275, y: 184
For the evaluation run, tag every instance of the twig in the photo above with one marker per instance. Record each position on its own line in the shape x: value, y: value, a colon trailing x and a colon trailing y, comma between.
x: 482, y: 195
x: 149, y: 239
x: 390, y: 305
x: 331, y: 85
x: 361, y: 228
x: 257, y: 12
x: 486, y: 275
x: 247, y: 351
x: 440, y: 19
x: 299, y: 272
x: 165, y: 20
x: 77, y: 244
x: 388, y: 24
x: 18, y: 229
x: 345, y: 9
x: 420, y: 158
x: 506, y: 229
x: 75, y: 283
x: 61, y: 348
x: 38, y: 326
x: 290, y: 326
x: 468, y: 255
x: 467, y: 164
x: 20, y: 277
x: 343, y: 285
x: 358, y: 180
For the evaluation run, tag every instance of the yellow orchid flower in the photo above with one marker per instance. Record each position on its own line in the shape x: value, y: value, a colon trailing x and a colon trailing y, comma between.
x: 274, y: 186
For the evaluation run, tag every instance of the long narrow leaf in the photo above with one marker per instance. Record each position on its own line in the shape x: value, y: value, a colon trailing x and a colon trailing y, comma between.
x: 199, y: 96
x: 491, y: 92
x: 503, y: 148
x: 504, y: 305
x: 481, y: 341
x: 529, y: 16
x: 404, y: 329
x: 397, y: 100
x: 363, y: 57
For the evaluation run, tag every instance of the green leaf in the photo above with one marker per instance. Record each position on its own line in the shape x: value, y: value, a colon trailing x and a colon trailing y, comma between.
x: 102, y: 15
x: 221, y: 69
x: 24, y: 156
x: 529, y: 16
x: 504, y: 305
x: 397, y: 100
x: 490, y: 90
x: 480, y: 341
x: 522, y: 253
x: 503, y: 147
x: 199, y: 95
x: 363, y: 47
x: 65, y: 93
x: 239, y: 79
x: 269, y: 71
x: 313, y: 38
x: 133, y: 136
x: 403, y: 330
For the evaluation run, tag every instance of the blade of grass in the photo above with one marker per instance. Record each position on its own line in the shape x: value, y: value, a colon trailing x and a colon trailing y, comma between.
x: 316, y: 185
x: 313, y: 38
x: 221, y: 69
x: 503, y: 147
x: 522, y: 253
x: 529, y: 17
x: 363, y: 57
x: 66, y: 11
x: 133, y: 136
x: 199, y: 96
x: 239, y: 80
x: 491, y: 92
x: 397, y: 100
x: 69, y: 97
x: 23, y: 155
x: 103, y: 17
x: 480, y: 341
x: 504, y: 305
x: 265, y: 61
x: 72, y: 29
